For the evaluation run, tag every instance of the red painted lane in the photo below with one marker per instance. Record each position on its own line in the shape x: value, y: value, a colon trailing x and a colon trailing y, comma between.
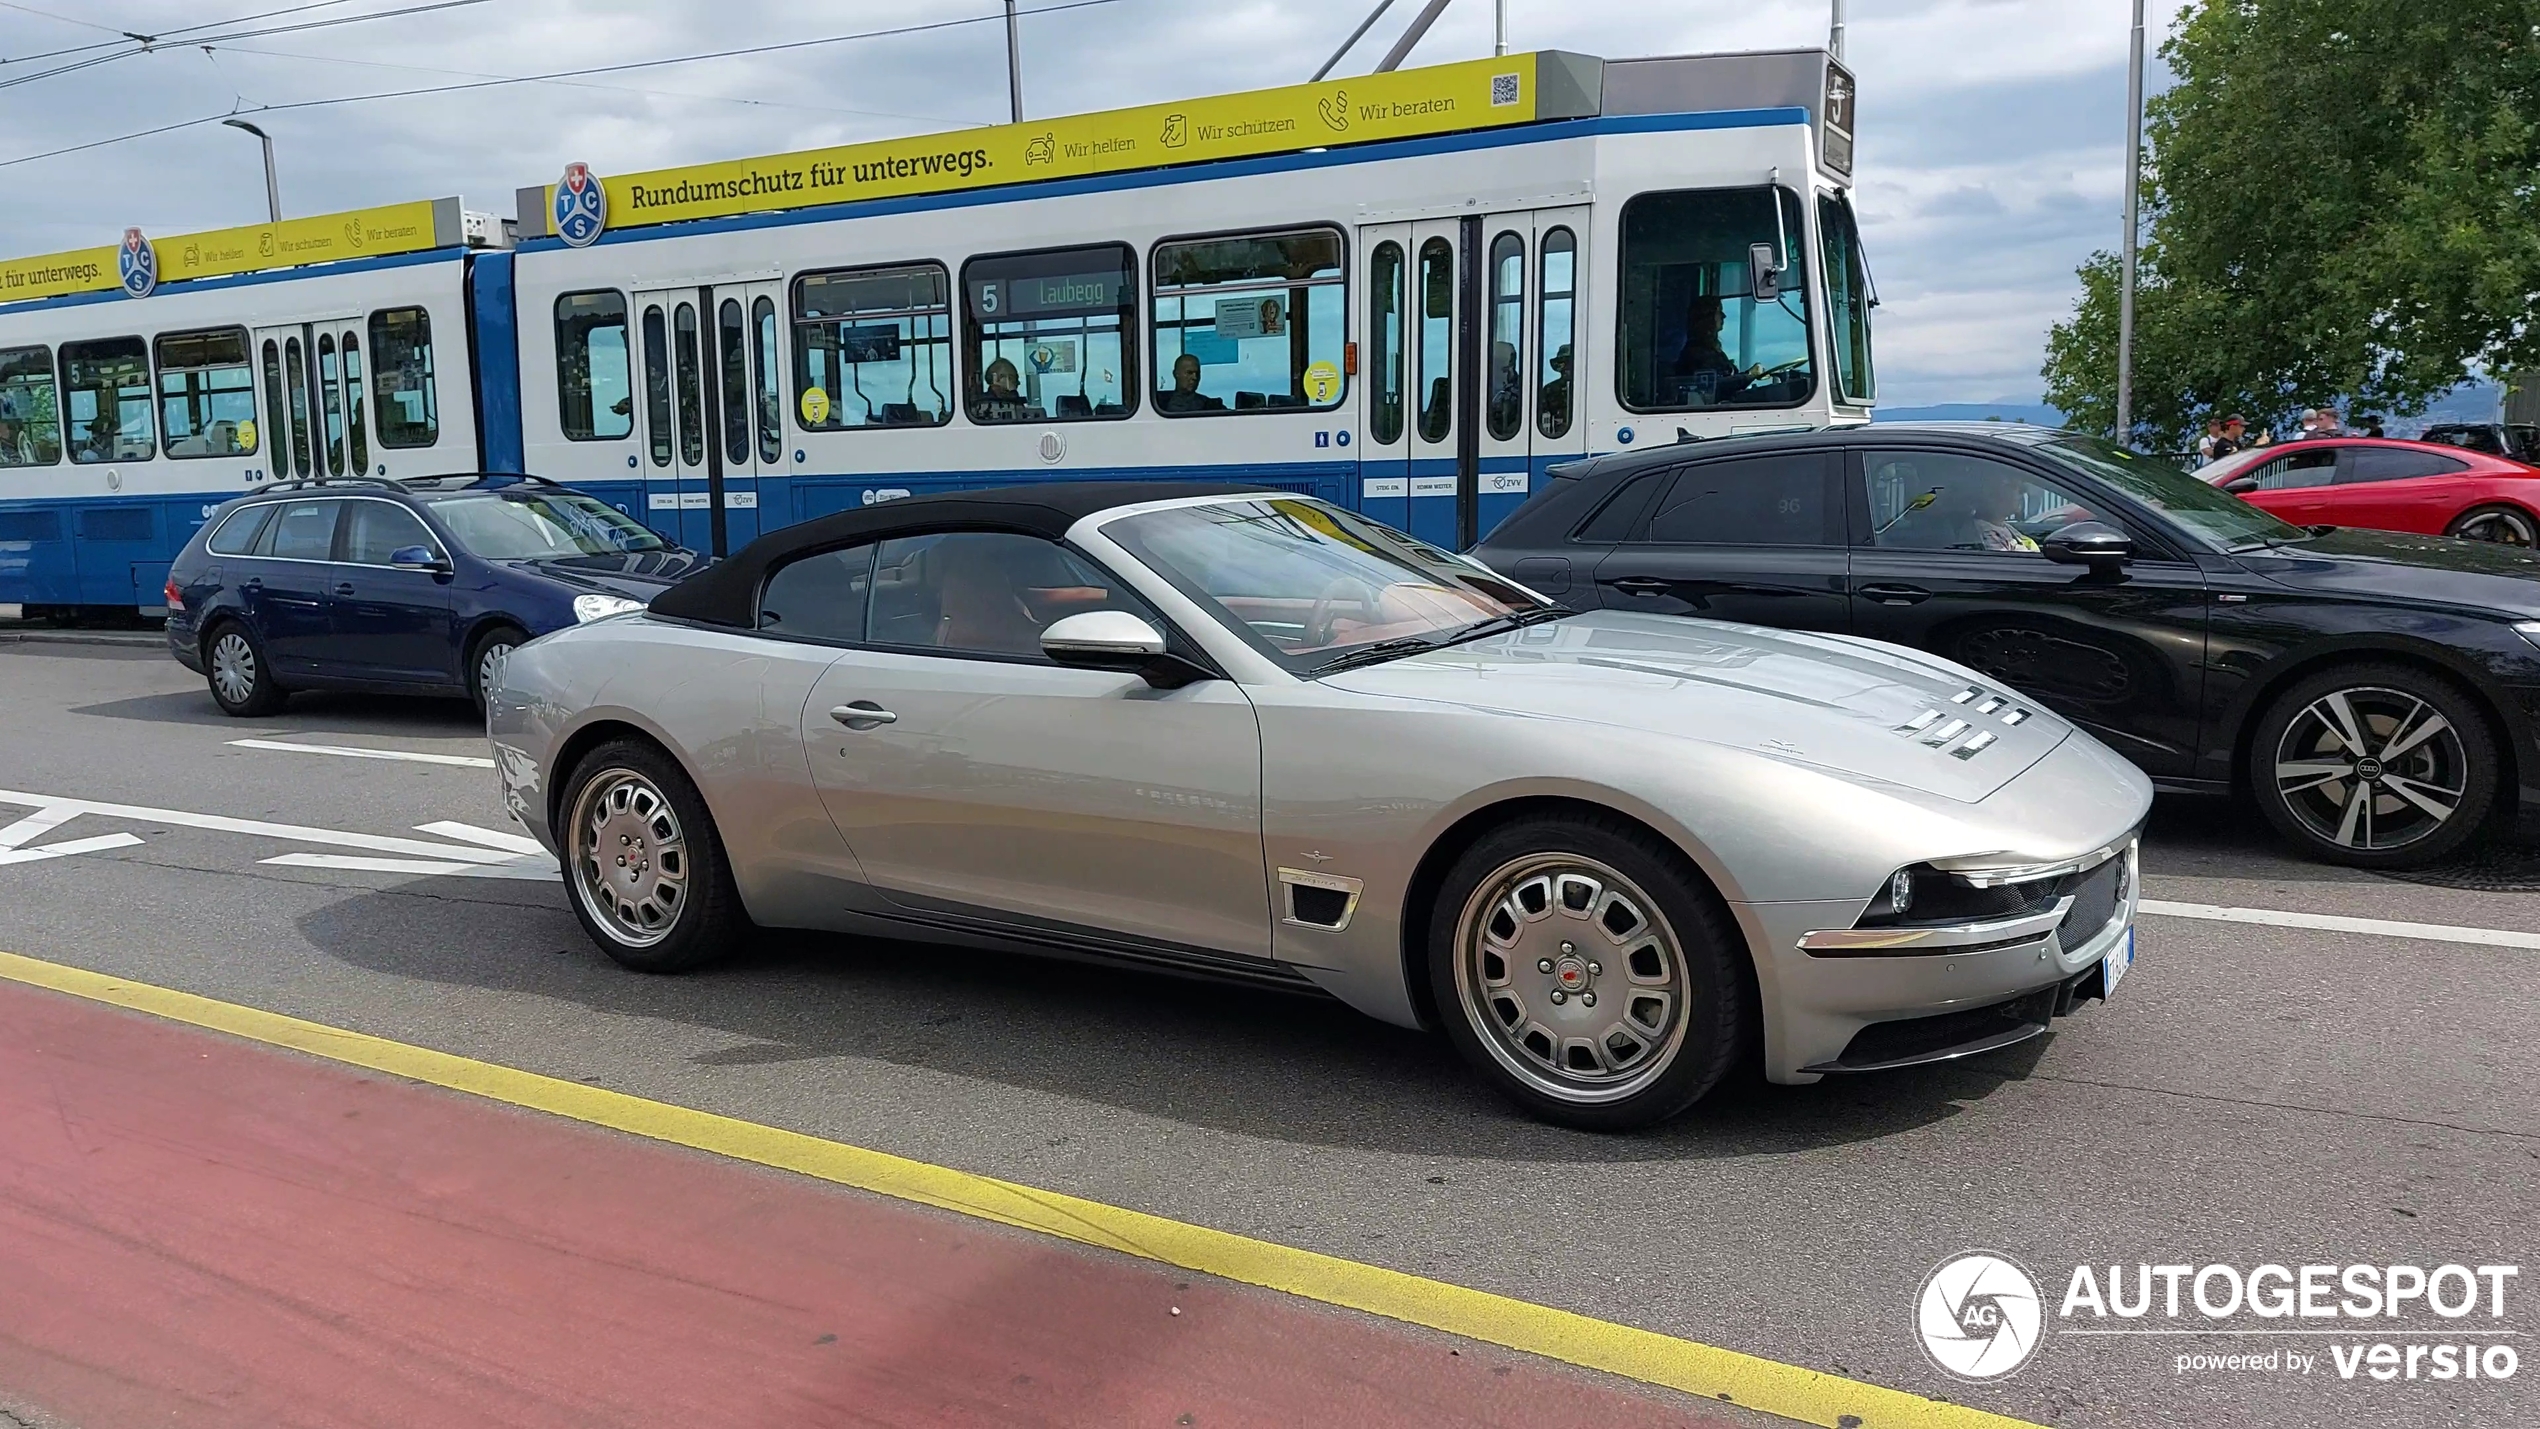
x: 200, y: 1231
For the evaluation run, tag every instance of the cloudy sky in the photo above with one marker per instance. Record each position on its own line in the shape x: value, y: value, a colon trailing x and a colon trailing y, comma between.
x: 1991, y: 131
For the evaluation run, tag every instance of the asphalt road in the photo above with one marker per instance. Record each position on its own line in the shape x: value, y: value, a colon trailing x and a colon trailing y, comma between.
x: 2254, y: 1093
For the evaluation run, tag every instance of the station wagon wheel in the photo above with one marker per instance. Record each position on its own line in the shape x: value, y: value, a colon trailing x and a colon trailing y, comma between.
x: 485, y: 660
x: 2504, y: 525
x: 2377, y: 767
x: 241, y: 681
x: 1580, y: 969
x: 647, y: 871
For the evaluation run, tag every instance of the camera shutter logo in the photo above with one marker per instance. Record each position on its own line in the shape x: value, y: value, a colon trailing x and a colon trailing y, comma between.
x: 581, y: 208
x: 1979, y: 1316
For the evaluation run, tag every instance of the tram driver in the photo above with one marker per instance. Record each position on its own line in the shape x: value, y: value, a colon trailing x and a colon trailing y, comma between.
x: 1704, y: 371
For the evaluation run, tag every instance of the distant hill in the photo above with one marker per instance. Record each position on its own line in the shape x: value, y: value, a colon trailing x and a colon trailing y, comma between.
x: 2036, y: 414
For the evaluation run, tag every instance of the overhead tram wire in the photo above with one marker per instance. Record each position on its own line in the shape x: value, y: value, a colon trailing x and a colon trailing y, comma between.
x: 209, y: 41
x: 163, y: 38
x: 546, y: 78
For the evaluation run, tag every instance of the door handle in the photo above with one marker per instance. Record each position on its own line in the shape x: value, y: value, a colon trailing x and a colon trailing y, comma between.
x: 1643, y: 585
x: 252, y: 583
x: 862, y: 714
x: 343, y: 587
x: 1896, y: 594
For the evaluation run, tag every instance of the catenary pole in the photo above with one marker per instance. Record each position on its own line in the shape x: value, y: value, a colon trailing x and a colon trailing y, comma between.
x: 1013, y: 63
x: 1354, y: 37
x: 273, y: 190
x: 1420, y: 24
x: 2133, y: 227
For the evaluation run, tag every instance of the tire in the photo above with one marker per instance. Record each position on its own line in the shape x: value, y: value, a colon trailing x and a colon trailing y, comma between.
x: 1546, y: 892
x: 486, y: 652
x: 2427, y: 747
x: 240, y: 677
x: 2504, y: 525
x: 643, y: 865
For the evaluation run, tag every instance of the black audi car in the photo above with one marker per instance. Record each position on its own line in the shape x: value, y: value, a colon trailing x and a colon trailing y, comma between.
x: 2377, y: 694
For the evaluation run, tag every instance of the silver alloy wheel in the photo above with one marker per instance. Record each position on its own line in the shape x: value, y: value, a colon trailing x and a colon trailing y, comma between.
x: 234, y: 667
x: 489, y: 665
x: 1572, y: 977
x: 2505, y: 528
x: 2371, y: 769
x: 630, y: 859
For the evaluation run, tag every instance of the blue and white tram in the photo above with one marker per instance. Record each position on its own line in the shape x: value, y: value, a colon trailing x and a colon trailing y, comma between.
x: 1415, y: 327
x: 124, y: 422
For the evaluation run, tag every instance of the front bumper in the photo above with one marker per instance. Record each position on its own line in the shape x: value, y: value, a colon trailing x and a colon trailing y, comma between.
x: 1851, y: 999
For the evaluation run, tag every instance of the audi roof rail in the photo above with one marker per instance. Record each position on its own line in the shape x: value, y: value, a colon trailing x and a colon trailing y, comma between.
x: 300, y: 483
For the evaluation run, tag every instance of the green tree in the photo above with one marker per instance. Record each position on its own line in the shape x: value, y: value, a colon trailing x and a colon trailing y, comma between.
x: 2344, y: 202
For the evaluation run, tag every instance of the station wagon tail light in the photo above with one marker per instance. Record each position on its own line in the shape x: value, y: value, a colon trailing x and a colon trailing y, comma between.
x: 587, y: 608
x: 175, y: 596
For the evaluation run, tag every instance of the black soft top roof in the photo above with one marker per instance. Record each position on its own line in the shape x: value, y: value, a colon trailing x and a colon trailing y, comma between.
x: 726, y: 593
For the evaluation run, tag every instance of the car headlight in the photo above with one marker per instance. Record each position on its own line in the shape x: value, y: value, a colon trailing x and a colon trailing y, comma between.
x: 2528, y: 630
x: 587, y: 608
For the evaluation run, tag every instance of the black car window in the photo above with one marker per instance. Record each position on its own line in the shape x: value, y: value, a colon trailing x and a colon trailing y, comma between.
x: 1620, y: 515
x: 2395, y: 464
x: 2294, y: 470
x: 984, y: 592
x: 238, y: 531
x: 1777, y: 500
x: 375, y: 530
x: 1949, y: 501
x: 820, y: 597
x: 304, y: 531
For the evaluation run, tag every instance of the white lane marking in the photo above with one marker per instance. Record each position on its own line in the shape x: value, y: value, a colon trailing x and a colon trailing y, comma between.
x: 465, y: 761
x: 42, y: 821
x: 296, y: 833
x: 98, y: 844
x: 491, y: 838
x: 2431, y: 932
x: 539, y: 871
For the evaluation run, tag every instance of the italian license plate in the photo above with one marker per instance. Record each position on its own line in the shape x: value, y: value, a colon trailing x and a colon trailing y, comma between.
x: 2114, y: 967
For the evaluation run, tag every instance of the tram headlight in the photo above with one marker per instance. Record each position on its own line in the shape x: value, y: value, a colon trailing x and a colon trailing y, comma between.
x: 587, y: 608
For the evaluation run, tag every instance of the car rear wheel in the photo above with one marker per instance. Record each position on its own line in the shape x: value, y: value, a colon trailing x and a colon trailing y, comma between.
x: 485, y: 660
x: 2375, y: 766
x: 644, y: 864
x: 2504, y: 525
x: 1588, y: 973
x: 240, y: 677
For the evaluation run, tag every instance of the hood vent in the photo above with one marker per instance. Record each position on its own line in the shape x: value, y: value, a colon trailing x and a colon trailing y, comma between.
x: 1955, y: 728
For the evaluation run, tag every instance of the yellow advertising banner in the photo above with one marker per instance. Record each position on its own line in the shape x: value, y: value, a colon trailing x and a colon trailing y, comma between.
x: 1474, y: 94
x: 327, y: 238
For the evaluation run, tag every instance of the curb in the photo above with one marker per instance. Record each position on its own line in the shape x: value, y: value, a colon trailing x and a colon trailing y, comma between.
x: 131, y: 639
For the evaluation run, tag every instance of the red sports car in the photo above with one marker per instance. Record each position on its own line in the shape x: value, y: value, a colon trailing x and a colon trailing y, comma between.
x: 2383, y: 485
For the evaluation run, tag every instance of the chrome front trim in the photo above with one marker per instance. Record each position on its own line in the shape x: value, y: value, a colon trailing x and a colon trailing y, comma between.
x: 1981, y: 872
x: 1999, y: 932
x: 1330, y: 882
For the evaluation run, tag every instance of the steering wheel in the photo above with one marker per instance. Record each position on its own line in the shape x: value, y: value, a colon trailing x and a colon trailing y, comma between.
x: 1318, y: 625
x: 1784, y: 369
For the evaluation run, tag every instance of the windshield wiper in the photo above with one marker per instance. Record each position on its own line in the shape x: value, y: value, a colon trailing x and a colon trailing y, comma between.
x: 1377, y: 653
x: 2271, y: 543
x: 1514, y: 620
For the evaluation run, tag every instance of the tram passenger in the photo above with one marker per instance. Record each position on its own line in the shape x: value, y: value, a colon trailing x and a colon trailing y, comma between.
x: 1704, y: 371
x: 100, y: 445
x: 15, y: 449
x: 1185, y: 395
x: 1555, y: 396
x: 1506, y: 396
x: 1004, y: 402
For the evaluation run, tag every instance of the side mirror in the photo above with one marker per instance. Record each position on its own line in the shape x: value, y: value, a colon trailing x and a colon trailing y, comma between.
x: 1764, y: 272
x: 2089, y: 543
x: 2239, y: 484
x: 1117, y: 640
x: 417, y: 558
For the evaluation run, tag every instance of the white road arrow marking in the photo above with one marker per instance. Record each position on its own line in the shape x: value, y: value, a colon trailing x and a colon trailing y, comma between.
x: 465, y: 761
x: 35, y: 825
x: 66, y: 847
x: 491, y: 838
x: 291, y: 833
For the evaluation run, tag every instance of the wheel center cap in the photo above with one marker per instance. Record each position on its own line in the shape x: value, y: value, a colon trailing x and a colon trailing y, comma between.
x: 1571, y: 974
x: 2367, y: 768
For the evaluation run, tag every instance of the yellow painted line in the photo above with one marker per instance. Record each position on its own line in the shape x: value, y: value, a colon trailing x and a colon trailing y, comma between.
x: 1768, y: 1385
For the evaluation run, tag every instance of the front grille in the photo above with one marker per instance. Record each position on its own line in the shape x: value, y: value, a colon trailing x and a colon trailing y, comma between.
x: 1920, y: 1038
x: 2095, y: 893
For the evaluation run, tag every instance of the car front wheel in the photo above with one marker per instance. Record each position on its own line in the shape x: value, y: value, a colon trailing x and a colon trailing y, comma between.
x: 1583, y: 968
x: 643, y: 862
x: 240, y: 677
x: 2375, y: 766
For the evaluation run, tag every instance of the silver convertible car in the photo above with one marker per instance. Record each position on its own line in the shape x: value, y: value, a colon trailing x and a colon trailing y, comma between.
x: 1252, y: 735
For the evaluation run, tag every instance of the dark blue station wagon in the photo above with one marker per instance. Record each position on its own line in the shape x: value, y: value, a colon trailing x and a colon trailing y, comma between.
x: 414, y: 587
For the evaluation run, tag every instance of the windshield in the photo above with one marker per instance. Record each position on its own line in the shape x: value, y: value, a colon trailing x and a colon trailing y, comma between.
x: 528, y: 525
x: 1308, y: 583
x: 1695, y: 333
x: 2219, y: 519
x: 1848, y: 300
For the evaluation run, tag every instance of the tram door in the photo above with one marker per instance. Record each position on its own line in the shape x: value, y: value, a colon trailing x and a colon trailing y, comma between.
x: 1532, y: 336
x: 1384, y: 373
x: 315, y: 421
x: 712, y: 422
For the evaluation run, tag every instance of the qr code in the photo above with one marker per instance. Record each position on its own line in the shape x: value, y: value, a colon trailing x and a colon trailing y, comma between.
x: 1503, y: 90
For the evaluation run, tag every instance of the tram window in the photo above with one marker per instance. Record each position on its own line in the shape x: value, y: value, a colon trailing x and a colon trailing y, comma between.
x: 1437, y: 339
x: 30, y: 422
x: 1848, y: 299
x: 106, y: 386
x: 657, y: 382
x: 207, y: 393
x: 595, y: 392
x: 771, y: 418
x: 1384, y: 343
x: 1504, y: 409
x: 401, y: 378
x: 692, y: 402
x: 295, y: 366
x: 353, y: 403
x: 875, y: 345
x: 1693, y: 334
x: 1556, y: 302
x: 1249, y: 322
x: 732, y: 350
x: 331, y: 401
x: 1045, y: 335
x: 277, y: 425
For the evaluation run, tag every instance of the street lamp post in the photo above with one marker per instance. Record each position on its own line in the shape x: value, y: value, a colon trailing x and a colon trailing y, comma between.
x: 273, y: 190
x: 2133, y: 225
x: 1013, y: 63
